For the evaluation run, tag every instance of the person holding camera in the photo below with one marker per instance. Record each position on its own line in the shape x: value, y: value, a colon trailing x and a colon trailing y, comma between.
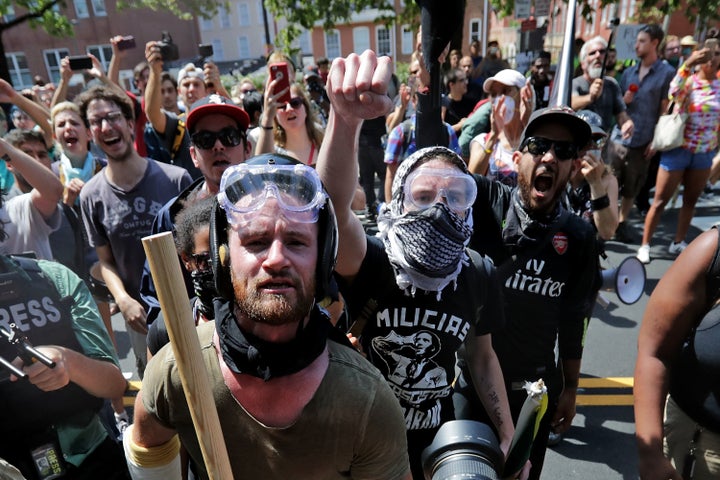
x: 166, y: 137
x: 49, y: 418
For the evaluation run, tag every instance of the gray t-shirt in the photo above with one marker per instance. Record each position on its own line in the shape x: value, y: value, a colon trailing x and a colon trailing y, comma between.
x: 120, y: 218
x: 26, y: 229
x: 608, y: 105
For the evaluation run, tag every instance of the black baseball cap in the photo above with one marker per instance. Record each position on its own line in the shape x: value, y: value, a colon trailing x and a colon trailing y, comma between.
x: 565, y: 116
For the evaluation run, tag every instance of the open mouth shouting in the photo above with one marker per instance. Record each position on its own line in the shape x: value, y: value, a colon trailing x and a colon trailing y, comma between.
x: 543, y: 182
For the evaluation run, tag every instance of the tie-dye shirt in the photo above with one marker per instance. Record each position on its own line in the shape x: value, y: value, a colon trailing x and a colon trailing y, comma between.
x: 701, y: 100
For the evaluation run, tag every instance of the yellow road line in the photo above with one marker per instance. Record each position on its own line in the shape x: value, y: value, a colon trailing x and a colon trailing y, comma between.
x: 585, y: 399
x: 604, y: 400
x: 608, y: 382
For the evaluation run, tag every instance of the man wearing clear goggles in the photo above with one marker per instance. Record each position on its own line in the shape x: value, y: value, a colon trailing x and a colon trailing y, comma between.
x: 415, y: 292
x: 296, y: 189
x: 282, y: 380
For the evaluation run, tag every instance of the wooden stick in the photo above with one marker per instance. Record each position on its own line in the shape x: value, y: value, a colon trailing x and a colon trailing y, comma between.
x: 175, y: 304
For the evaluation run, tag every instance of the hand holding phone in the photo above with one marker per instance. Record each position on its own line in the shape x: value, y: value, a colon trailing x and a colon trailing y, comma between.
x: 126, y: 43
x: 279, y: 72
x: 711, y: 45
x: 80, y: 62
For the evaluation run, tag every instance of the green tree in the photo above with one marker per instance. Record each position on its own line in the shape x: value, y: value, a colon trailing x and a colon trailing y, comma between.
x: 43, y: 13
x: 48, y: 15
x: 305, y: 14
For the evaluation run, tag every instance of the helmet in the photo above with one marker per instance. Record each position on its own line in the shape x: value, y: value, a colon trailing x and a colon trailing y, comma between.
x: 327, y: 238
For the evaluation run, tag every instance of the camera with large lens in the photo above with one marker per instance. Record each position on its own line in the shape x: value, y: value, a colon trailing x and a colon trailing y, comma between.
x: 168, y: 50
x: 463, y: 449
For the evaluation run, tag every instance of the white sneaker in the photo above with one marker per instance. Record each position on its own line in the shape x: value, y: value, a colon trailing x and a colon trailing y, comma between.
x: 677, y: 248
x: 643, y: 254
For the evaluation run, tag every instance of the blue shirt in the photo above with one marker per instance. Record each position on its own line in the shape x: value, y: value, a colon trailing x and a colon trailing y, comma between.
x: 644, y: 110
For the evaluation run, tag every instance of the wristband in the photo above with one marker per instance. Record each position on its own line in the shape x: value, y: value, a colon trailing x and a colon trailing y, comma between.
x: 267, y: 128
x: 488, y: 150
x: 600, y: 203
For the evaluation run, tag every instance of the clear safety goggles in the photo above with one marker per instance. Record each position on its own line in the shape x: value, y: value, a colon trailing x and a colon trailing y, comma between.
x: 425, y: 187
x: 244, y: 190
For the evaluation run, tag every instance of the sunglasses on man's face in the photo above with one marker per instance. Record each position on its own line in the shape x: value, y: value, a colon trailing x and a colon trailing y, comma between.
x: 229, y: 137
x: 538, y: 146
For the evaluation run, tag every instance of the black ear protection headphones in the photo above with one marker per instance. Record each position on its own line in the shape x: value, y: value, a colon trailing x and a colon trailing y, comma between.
x: 327, y: 239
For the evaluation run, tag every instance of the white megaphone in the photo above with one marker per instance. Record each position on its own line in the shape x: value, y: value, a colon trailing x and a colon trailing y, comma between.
x: 627, y: 280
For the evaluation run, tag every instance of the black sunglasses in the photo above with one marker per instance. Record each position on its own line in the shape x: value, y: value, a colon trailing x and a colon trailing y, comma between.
x: 201, y: 261
x: 229, y: 137
x: 296, y: 102
x: 538, y: 146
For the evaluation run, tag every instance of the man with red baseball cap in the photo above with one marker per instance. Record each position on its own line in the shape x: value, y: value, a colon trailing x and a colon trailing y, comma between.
x: 218, y: 139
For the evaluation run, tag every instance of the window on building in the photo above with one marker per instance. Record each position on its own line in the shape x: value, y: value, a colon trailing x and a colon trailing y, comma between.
x: 475, y: 31
x: 332, y: 44
x: 206, y: 24
x: 407, y: 43
x: 19, y: 71
x: 218, y: 50
x: 52, y: 62
x: 304, y: 43
x: 81, y: 9
x: 99, y: 8
x: 623, y: 10
x: 103, y: 53
x: 243, y: 47
x: 384, y: 41
x: 361, y: 39
x: 224, y: 17
x: 9, y: 14
x: 606, y: 14
x: 243, y: 14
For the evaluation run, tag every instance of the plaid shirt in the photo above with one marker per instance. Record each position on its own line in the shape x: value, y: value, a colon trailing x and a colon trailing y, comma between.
x: 394, y: 153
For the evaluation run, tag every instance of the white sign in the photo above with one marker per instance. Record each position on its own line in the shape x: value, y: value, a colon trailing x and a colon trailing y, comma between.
x: 625, y: 37
x: 522, y: 9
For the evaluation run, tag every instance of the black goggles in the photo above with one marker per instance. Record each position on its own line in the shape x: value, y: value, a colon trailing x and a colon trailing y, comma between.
x: 538, y: 146
x: 229, y: 137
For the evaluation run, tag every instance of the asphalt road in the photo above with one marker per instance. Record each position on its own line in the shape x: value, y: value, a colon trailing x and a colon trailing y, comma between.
x: 600, y: 445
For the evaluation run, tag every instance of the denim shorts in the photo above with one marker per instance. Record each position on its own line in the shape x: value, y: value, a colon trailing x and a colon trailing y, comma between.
x: 682, y: 159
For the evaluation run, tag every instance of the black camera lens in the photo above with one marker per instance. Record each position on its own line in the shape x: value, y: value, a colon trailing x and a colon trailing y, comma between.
x: 463, y: 449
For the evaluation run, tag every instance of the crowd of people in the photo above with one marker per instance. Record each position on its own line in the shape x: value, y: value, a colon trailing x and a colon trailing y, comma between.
x: 333, y: 345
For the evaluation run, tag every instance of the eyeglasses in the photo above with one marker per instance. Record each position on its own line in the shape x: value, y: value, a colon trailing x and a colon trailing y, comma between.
x: 200, y: 261
x: 229, y: 137
x: 538, y: 146
x: 244, y: 190
x: 600, y: 51
x: 249, y: 90
x: 113, y: 118
x: 425, y: 187
x: 296, y: 102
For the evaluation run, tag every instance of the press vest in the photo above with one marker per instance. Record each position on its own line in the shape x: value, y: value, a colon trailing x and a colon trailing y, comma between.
x: 30, y: 300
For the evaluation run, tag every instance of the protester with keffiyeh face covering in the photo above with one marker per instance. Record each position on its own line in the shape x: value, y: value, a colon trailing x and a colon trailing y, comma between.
x: 415, y: 292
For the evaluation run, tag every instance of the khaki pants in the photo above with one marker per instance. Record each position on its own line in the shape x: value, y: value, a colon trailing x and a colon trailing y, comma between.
x: 679, y: 431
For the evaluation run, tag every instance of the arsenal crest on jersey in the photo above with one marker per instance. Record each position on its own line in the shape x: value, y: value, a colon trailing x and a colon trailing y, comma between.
x: 560, y: 243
